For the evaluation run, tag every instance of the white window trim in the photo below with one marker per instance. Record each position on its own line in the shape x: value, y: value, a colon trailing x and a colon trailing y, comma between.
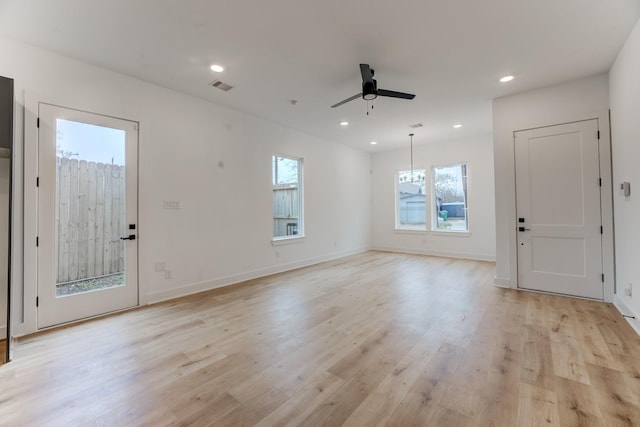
x: 287, y: 240
x: 410, y: 231
x: 452, y: 233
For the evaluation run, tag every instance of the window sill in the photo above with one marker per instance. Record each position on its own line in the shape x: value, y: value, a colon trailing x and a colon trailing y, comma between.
x: 451, y: 233
x: 410, y: 230
x: 278, y: 241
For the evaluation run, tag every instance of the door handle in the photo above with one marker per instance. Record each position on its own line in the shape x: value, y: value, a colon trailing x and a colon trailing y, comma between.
x: 523, y: 229
x: 130, y: 237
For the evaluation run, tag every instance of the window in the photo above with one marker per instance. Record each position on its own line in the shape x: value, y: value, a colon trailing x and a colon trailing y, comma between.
x: 411, y: 200
x: 287, y: 197
x: 450, y: 198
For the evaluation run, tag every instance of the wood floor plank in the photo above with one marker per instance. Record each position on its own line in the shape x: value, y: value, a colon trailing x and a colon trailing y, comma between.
x: 597, y: 351
x: 379, y: 405
x: 372, y: 339
x: 538, y: 407
x: 421, y: 403
x: 622, y: 404
x: 293, y: 411
x: 566, y: 354
x: 577, y: 404
x: 537, y: 369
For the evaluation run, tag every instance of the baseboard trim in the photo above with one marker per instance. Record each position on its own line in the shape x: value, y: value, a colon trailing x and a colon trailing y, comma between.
x: 502, y: 282
x: 445, y: 254
x: 194, y: 288
x: 625, y: 310
x: 3, y: 332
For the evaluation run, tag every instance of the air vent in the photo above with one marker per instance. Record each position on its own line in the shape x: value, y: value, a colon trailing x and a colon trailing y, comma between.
x: 221, y: 85
x: 417, y: 125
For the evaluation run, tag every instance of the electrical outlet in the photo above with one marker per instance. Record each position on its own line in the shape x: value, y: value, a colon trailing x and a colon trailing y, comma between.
x: 160, y: 266
x: 167, y: 274
x: 171, y: 204
x: 628, y: 291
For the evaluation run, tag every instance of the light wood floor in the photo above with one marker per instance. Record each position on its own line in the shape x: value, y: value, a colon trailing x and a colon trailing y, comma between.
x: 3, y: 351
x: 374, y: 339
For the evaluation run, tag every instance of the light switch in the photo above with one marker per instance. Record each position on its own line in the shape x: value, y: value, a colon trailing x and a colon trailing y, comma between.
x: 626, y: 188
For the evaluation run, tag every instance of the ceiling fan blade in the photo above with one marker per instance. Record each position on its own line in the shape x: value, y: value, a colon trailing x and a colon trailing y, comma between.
x: 367, y: 75
x: 394, y: 94
x: 351, y: 98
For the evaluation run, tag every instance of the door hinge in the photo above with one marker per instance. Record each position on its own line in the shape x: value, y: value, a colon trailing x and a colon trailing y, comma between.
x: 38, y: 122
x: 601, y: 230
x: 37, y: 241
x: 600, y: 181
x: 602, y: 277
x: 598, y: 134
x: 37, y: 301
x: 37, y: 181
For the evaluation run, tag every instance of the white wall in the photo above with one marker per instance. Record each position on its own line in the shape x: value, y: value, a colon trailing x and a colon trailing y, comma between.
x: 581, y: 99
x: 480, y: 242
x: 222, y: 233
x: 624, y: 79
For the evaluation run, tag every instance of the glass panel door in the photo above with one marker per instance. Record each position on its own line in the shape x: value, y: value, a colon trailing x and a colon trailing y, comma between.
x: 87, y: 215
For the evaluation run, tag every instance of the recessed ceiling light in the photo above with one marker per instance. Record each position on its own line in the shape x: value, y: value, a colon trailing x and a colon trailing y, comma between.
x: 506, y: 79
x: 345, y: 123
x: 373, y: 142
x: 217, y: 68
x: 457, y: 126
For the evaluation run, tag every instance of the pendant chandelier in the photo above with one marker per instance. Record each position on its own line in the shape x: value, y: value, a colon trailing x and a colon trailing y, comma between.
x: 411, y: 136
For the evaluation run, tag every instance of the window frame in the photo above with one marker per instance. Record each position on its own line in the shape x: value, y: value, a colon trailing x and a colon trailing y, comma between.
x: 434, y: 213
x: 396, y: 188
x: 300, y: 236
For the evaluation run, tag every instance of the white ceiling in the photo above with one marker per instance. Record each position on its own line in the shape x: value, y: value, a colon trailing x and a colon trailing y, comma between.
x: 450, y: 53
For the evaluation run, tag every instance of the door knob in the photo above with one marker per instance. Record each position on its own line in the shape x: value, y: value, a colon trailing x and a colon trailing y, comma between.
x: 523, y: 229
x: 130, y: 237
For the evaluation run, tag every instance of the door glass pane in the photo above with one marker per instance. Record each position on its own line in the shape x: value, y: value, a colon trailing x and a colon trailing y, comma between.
x: 90, y: 207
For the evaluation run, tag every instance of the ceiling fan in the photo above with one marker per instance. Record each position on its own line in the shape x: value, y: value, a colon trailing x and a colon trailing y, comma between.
x: 370, y: 89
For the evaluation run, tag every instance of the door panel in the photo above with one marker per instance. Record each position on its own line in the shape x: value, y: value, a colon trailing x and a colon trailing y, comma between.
x: 87, y: 202
x: 558, y: 200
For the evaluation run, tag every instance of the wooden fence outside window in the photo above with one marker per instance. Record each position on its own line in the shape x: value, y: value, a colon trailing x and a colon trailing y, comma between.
x: 90, y: 215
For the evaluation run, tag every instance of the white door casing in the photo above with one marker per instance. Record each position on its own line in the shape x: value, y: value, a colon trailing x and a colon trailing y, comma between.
x: 559, y: 209
x: 55, y: 309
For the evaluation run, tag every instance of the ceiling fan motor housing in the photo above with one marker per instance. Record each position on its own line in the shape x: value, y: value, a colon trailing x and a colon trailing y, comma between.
x: 370, y: 90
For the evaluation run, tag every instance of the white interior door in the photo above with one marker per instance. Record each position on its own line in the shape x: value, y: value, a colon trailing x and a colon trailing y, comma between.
x: 558, y: 208
x: 87, y: 214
